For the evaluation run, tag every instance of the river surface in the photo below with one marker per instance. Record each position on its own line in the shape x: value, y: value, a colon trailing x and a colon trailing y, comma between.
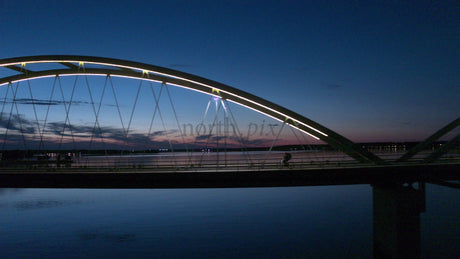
x: 284, y: 222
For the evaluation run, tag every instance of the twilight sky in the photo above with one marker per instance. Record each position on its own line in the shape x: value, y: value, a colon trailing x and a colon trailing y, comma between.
x: 370, y: 70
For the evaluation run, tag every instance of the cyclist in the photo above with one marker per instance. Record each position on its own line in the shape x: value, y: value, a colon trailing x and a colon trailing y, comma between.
x: 287, y: 156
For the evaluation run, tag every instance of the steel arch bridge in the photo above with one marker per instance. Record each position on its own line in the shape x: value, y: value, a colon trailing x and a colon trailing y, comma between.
x: 67, y: 65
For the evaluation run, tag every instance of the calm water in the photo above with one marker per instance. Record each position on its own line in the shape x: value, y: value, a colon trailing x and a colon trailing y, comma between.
x: 291, y: 222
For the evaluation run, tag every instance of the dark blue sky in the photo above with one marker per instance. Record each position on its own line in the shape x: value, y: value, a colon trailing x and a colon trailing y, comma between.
x: 385, y: 70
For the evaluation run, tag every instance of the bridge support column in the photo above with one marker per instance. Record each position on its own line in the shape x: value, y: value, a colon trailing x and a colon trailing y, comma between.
x: 397, y: 209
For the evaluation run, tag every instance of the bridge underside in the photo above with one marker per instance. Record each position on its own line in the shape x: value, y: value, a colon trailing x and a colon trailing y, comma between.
x: 437, y: 174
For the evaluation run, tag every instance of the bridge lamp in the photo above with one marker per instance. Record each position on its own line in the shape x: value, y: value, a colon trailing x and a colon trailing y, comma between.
x: 216, y: 101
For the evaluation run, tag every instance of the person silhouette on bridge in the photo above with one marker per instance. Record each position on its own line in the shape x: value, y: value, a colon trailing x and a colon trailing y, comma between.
x: 287, y: 156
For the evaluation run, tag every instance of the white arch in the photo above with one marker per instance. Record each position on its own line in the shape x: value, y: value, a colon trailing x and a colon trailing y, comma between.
x: 123, y: 68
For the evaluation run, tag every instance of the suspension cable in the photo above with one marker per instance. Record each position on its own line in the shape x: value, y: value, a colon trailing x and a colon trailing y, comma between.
x: 11, y: 113
x: 19, y: 117
x: 299, y: 141
x: 177, y: 119
x: 4, y: 101
x: 132, y: 112
x: 3, y: 107
x: 164, y: 128
x: 310, y: 147
x: 96, y: 122
x: 202, y: 123
x: 239, y: 136
x: 225, y: 131
x: 47, y: 112
x: 155, y: 109
x: 118, y: 108
x: 217, y: 131
x: 273, y: 143
x: 67, y: 109
x: 35, y: 110
x: 210, y: 135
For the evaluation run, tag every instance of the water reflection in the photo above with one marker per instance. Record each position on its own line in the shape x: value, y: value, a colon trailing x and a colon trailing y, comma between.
x: 4, y: 191
x: 290, y: 222
x: 112, y: 237
x: 42, y: 204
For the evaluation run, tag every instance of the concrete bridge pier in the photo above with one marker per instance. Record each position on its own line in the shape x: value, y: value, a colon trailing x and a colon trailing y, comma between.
x: 396, y: 213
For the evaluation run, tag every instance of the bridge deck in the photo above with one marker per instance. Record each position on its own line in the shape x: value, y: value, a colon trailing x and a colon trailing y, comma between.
x: 216, y: 179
